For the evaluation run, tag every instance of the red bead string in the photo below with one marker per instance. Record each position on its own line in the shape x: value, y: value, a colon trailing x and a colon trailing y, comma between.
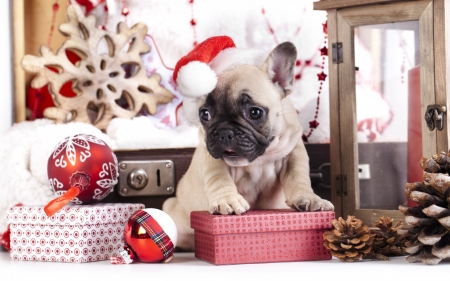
x: 125, y: 10
x: 193, y: 23
x: 105, y: 22
x: 403, y: 67
x: 271, y: 29
x: 55, y: 8
x: 269, y: 26
x: 321, y: 77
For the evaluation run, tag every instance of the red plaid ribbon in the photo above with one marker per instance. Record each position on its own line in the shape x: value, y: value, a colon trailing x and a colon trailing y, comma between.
x: 155, y: 231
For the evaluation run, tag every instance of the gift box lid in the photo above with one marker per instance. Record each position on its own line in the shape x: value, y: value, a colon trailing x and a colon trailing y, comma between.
x: 257, y: 221
x: 93, y: 214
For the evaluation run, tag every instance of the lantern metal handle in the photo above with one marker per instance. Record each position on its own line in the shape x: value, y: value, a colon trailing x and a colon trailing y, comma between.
x: 434, y: 116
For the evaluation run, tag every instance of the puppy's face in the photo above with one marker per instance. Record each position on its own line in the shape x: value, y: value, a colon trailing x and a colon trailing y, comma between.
x: 241, y: 116
x: 236, y: 118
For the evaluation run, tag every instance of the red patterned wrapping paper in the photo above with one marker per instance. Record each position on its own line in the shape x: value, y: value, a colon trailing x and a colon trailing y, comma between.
x: 261, y: 236
x: 76, y: 233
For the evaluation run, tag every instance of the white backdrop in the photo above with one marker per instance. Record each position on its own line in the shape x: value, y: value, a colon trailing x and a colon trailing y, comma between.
x: 6, y: 102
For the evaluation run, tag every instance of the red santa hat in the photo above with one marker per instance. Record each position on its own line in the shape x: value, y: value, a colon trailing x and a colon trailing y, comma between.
x: 196, y: 73
x: 192, y: 73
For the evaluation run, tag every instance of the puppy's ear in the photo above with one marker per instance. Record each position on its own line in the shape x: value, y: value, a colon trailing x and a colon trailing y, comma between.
x: 280, y: 66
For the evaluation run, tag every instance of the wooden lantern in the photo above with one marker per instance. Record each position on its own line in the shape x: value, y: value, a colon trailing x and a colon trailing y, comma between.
x: 391, y: 162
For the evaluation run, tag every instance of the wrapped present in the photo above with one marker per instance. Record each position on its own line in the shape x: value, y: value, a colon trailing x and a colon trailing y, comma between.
x: 261, y: 236
x: 76, y: 233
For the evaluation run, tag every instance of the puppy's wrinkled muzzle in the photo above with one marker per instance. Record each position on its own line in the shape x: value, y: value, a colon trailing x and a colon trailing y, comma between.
x: 226, y: 136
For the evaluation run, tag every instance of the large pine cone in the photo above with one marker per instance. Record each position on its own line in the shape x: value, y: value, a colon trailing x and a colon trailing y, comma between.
x: 429, y: 238
x: 350, y: 240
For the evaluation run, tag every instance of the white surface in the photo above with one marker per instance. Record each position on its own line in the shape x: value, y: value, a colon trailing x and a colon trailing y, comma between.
x: 6, y: 103
x: 186, y: 267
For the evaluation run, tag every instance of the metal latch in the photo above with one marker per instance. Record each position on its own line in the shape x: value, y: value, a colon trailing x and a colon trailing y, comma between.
x: 434, y: 116
x: 337, y: 55
x: 146, y: 178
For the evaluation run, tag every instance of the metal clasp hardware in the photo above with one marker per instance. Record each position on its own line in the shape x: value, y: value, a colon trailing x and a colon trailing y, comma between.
x: 434, y: 116
x: 341, y: 185
x: 146, y: 178
x: 337, y: 55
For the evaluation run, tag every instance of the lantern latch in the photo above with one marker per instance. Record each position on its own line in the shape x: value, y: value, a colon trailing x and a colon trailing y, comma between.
x: 337, y: 53
x: 434, y: 116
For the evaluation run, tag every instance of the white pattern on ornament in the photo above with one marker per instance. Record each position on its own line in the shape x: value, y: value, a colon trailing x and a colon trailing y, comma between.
x: 98, y: 194
x: 105, y: 70
x: 71, y: 142
x: 54, y: 183
x: 60, y: 162
x: 106, y: 170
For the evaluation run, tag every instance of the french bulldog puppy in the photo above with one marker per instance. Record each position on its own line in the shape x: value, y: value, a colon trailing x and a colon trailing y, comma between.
x: 252, y: 156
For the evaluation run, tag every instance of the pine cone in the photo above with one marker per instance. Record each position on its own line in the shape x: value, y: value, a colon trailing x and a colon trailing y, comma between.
x: 350, y: 240
x: 429, y: 237
x: 388, y: 240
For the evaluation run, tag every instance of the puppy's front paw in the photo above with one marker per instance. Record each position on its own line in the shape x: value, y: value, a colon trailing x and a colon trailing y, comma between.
x: 309, y: 202
x: 226, y: 205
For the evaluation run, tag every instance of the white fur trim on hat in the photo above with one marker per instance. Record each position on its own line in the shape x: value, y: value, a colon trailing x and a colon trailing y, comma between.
x: 196, y: 79
x: 232, y: 57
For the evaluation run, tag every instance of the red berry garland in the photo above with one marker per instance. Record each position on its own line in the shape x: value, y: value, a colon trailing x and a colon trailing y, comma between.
x: 193, y: 22
x: 321, y: 77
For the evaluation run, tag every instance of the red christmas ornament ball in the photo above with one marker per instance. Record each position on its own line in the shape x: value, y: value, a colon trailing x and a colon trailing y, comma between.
x: 150, y: 236
x: 86, y: 162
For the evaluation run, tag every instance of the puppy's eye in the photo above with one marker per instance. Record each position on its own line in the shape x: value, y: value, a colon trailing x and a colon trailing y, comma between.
x: 205, y: 115
x: 256, y: 113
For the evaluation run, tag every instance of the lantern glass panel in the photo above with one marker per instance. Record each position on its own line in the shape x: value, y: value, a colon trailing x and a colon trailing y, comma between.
x: 387, y: 90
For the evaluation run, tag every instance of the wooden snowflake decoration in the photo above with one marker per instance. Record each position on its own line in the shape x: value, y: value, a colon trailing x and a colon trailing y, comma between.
x: 109, y: 77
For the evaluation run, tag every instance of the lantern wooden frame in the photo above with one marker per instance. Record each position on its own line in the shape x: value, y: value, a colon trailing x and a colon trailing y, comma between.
x: 343, y: 16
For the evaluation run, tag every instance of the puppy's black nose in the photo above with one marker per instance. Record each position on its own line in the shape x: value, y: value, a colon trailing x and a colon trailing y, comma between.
x: 226, y: 135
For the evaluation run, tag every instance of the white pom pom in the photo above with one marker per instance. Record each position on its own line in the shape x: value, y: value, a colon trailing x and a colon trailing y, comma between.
x: 196, y: 79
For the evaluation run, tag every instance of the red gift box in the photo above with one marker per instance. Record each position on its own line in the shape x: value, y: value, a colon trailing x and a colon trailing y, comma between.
x: 261, y: 236
x: 76, y: 233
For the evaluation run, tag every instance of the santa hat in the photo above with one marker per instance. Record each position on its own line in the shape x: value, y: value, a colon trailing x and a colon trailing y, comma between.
x: 196, y: 73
